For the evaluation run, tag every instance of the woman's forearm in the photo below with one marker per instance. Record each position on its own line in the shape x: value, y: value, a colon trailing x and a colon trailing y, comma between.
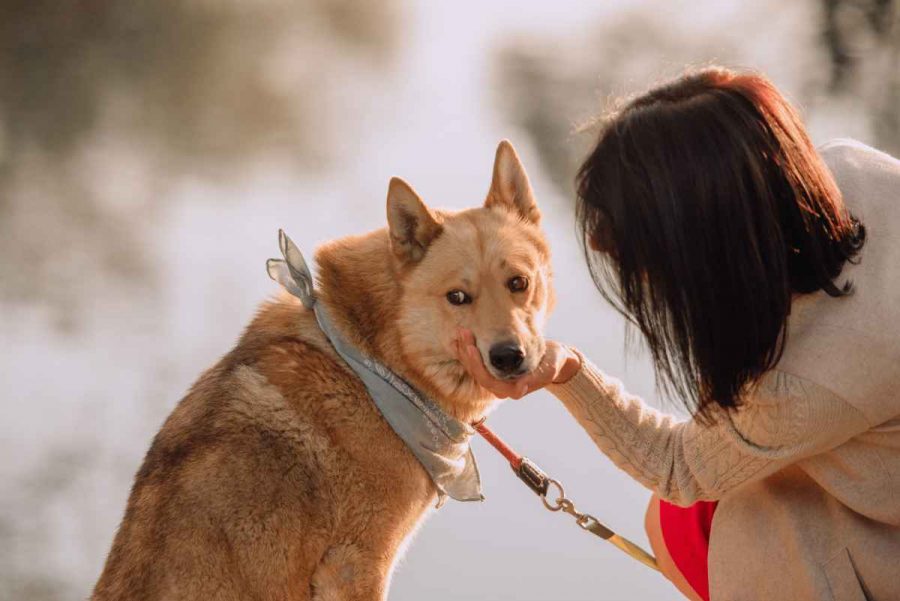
x: 636, y: 437
x: 684, y: 461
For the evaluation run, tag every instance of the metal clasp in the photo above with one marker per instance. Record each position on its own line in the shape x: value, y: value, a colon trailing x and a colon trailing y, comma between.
x: 534, y: 477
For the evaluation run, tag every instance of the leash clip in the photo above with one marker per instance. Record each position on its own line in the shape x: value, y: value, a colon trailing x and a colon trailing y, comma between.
x: 538, y: 481
x: 533, y: 477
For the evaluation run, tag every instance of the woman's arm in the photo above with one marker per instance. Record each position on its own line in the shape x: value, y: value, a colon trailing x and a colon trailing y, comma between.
x: 784, y: 420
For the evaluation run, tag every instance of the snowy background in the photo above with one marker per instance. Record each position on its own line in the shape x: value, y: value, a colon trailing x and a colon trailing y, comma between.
x: 149, y: 151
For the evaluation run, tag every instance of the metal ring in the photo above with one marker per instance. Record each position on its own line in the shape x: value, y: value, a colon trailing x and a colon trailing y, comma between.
x: 557, y: 504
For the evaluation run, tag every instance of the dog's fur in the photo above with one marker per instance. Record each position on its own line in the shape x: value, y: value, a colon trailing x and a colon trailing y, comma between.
x: 276, y: 477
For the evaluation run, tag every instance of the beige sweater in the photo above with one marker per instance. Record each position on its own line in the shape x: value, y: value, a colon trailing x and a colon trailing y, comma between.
x: 808, y: 471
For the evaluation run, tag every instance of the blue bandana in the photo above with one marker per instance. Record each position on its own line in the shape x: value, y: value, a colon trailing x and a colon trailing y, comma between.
x: 439, y: 441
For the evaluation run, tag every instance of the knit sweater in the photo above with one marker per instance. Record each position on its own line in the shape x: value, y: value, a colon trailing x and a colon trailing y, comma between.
x: 807, y: 471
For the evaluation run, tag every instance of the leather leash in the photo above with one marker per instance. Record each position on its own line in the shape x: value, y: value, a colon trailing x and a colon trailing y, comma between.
x: 540, y: 483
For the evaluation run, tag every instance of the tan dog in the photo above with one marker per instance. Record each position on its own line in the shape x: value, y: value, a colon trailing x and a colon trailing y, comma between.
x: 276, y: 477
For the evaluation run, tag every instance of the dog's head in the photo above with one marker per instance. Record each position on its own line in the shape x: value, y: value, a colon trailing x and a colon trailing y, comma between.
x: 485, y: 269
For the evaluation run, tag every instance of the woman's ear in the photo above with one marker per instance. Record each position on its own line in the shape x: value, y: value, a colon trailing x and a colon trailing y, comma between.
x: 510, y: 187
x: 411, y: 224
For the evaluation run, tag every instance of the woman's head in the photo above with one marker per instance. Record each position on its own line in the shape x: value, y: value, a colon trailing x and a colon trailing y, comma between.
x: 703, y: 208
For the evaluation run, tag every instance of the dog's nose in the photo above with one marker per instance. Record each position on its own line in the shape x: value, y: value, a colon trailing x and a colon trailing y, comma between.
x: 507, y: 357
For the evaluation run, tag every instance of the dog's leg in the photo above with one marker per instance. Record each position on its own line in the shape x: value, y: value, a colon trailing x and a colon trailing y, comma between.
x: 350, y: 573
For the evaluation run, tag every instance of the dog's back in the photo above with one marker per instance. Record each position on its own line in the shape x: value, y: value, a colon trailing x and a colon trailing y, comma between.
x: 274, y: 477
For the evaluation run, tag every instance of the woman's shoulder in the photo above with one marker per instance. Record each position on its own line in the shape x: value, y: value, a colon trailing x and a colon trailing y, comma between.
x: 851, y: 161
x: 785, y: 389
x: 850, y: 150
x: 785, y: 411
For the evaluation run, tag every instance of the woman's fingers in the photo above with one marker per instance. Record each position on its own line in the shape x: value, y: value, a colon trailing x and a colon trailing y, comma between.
x: 471, y: 360
x: 468, y: 355
x: 476, y: 366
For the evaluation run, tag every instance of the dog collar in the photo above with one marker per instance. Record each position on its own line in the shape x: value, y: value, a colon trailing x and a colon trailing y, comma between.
x: 440, y: 442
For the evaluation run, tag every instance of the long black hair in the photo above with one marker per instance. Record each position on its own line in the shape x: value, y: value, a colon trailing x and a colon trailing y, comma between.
x: 703, y: 209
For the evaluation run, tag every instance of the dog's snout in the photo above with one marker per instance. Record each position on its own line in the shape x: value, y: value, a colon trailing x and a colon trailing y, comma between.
x: 507, y: 357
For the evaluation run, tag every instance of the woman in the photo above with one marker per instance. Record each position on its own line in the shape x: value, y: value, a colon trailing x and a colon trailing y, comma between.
x: 765, y: 277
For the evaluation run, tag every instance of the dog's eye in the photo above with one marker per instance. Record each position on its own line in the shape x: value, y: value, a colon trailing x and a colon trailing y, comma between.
x: 458, y: 297
x: 517, y: 284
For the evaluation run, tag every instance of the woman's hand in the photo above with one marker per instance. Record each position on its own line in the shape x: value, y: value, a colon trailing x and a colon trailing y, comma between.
x: 558, y: 365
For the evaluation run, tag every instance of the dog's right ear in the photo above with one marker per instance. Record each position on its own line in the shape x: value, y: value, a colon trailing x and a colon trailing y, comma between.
x: 411, y: 224
x: 510, y: 187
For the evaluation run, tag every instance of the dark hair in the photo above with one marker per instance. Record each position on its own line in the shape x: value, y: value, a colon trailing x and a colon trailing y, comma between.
x: 710, y: 207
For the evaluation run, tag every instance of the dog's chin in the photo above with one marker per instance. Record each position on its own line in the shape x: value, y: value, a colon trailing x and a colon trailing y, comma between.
x: 508, y: 377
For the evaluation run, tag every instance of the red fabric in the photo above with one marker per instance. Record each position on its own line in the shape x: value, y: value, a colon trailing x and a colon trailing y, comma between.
x: 685, y: 531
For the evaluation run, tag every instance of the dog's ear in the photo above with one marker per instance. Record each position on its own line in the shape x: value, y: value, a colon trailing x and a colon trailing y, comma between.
x: 510, y: 187
x: 411, y: 224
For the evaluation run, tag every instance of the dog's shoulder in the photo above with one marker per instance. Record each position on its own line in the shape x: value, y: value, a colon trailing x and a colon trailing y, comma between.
x: 282, y: 382
x: 284, y: 351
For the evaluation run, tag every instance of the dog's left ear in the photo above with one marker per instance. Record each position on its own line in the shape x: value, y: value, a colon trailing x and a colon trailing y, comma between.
x: 412, y: 225
x: 510, y: 187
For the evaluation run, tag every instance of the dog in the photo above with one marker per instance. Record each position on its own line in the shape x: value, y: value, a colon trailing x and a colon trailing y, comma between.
x: 276, y: 477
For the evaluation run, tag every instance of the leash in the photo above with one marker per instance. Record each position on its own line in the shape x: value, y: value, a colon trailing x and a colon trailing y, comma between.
x: 540, y: 483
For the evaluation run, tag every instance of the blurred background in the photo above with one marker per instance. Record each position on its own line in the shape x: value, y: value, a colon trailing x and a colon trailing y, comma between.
x: 150, y: 150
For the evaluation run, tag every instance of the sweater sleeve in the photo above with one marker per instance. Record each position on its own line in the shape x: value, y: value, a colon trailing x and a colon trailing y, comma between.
x: 784, y: 420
